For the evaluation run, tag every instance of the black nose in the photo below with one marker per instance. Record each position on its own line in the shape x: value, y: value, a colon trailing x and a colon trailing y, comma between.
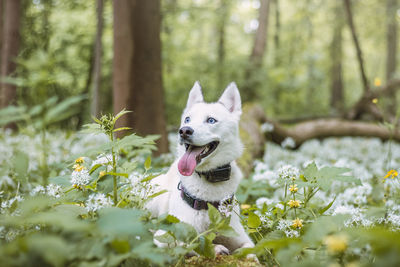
x: 185, y: 132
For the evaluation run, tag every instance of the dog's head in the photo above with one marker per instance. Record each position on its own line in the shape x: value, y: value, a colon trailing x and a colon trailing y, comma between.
x: 209, y: 132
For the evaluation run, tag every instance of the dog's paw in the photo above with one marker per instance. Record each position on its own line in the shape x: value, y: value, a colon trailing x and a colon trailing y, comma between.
x: 221, y: 250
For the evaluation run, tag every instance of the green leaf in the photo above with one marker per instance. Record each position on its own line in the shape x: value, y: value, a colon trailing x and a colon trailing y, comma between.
x: 310, y: 172
x: 147, y: 163
x: 96, y: 120
x: 253, y: 220
x: 92, y: 128
x: 185, y: 232
x: 121, y: 222
x: 120, y: 246
x: 105, y: 184
x: 149, y: 178
x: 21, y: 164
x: 171, y: 219
x: 13, y: 114
x: 118, y: 174
x: 327, y: 207
x: 122, y: 129
x: 158, y: 193
x: 165, y: 238
x: 121, y: 113
x: 54, y: 249
x: 227, y: 230
x: 63, y: 180
x: 206, y: 246
x: 95, y: 167
x: 63, y: 110
x: 214, y: 215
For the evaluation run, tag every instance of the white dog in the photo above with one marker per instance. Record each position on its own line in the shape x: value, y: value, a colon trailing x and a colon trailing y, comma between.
x: 205, y: 170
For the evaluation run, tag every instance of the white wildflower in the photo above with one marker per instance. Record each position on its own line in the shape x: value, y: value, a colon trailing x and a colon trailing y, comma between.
x: 38, y: 190
x: 263, y: 200
x: 105, y: 160
x: 97, y: 201
x: 227, y: 205
x: 80, y: 177
x: 287, y: 173
x: 267, y: 127
x: 54, y: 190
x: 292, y: 233
x: 288, y: 143
x: 140, y: 189
x: 284, y: 225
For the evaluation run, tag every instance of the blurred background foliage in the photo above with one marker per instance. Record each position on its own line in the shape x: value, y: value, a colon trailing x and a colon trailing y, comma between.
x: 58, y: 38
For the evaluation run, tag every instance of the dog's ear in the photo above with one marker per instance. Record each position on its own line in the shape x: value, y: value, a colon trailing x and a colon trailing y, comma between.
x: 195, y: 95
x: 231, y: 99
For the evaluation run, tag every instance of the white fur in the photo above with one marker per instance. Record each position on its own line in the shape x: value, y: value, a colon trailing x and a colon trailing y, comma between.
x: 226, y: 130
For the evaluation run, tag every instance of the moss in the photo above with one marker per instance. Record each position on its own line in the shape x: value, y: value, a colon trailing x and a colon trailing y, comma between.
x: 221, y: 261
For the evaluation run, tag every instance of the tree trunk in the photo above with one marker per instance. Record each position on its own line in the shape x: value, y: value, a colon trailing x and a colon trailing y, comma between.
x: 1, y: 36
x: 98, y: 48
x: 363, y: 74
x: 257, y: 54
x: 277, y: 33
x: 9, y: 51
x: 311, y: 77
x: 221, y: 24
x: 137, y: 80
x: 337, y: 96
x: 391, y: 51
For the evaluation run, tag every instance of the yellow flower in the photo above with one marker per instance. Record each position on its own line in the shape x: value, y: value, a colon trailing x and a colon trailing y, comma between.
x: 375, y: 100
x: 377, y: 82
x: 297, y: 223
x: 102, y: 173
x: 78, y: 168
x: 80, y: 160
x: 245, y: 206
x: 392, y: 174
x: 294, y: 203
x: 336, y: 243
x: 293, y: 188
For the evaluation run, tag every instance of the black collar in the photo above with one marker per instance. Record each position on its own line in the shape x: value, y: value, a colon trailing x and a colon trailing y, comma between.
x: 199, y: 204
x: 219, y: 174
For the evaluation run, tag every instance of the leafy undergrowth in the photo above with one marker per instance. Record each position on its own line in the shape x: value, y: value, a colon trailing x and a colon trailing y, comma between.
x: 220, y: 261
x: 77, y: 199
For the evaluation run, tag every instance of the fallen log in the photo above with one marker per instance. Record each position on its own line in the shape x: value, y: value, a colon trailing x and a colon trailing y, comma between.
x: 253, y: 132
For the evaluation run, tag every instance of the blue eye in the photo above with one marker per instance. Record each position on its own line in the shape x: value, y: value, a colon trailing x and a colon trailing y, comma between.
x: 211, y: 120
x: 187, y: 119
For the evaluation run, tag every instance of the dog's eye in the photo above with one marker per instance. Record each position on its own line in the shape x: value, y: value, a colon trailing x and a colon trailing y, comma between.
x: 211, y: 120
x: 187, y: 119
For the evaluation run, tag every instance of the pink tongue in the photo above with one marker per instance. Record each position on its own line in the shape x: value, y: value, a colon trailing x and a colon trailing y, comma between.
x: 188, y: 162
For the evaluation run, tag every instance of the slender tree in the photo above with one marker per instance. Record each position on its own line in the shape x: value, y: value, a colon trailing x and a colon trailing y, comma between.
x: 223, y: 13
x: 1, y: 35
x: 336, y: 72
x: 9, y: 50
x: 137, y: 81
x: 391, y: 50
x: 257, y: 54
x: 98, y: 49
x: 350, y: 21
x: 277, y: 32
